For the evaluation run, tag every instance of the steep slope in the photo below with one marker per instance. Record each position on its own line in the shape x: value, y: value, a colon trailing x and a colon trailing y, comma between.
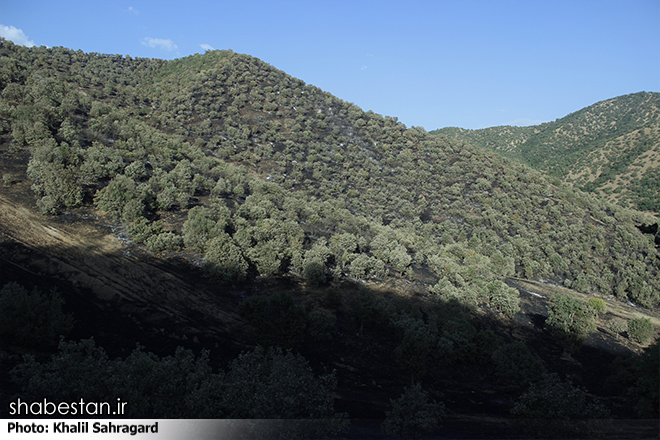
x: 292, y: 178
x: 611, y: 148
x: 297, y: 220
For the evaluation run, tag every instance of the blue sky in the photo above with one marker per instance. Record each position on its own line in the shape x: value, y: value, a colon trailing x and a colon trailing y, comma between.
x: 465, y: 63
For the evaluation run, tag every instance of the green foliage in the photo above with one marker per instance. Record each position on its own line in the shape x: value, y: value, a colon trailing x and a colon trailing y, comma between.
x: 115, y: 197
x: 572, y: 319
x: 156, y: 380
x: 598, y: 305
x: 315, y: 271
x: 503, y: 298
x: 142, y: 229
x: 55, y: 175
x: 556, y: 408
x: 412, y: 415
x: 485, y: 343
x: 399, y: 258
x: 100, y: 162
x: 314, y: 267
x: 343, y: 246
x: 224, y: 260
x: 601, y: 144
x: 76, y: 370
x: 417, y: 345
x: 322, y: 323
x: 204, y: 224
x: 273, y: 384
x: 179, y: 386
x: 371, y: 311
x: 640, y: 330
x: 270, y: 244
x: 362, y: 266
x: 164, y: 241
x: 294, y: 167
x: 259, y: 384
x: 259, y: 173
x: 32, y: 319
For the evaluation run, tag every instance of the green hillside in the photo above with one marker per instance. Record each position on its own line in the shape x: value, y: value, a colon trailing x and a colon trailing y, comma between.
x: 293, y: 220
x: 284, y: 166
x: 611, y: 148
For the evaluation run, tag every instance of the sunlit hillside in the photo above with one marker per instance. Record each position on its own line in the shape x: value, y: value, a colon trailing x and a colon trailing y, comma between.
x: 611, y: 148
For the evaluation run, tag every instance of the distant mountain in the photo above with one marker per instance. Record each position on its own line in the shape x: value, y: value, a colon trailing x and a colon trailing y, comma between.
x: 611, y: 148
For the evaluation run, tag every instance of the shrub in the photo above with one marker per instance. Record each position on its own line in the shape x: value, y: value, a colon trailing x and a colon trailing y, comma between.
x: 165, y: 241
x: 133, y: 210
x: 116, y: 195
x: 363, y: 266
x: 314, y: 270
x: 153, y: 386
x: 645, y: 390
x: 343, y: 245
x: 224, y: 260
x: 640, y: 330
x: 617, y: 325
x: 55, y: 175
x: 484, y: 343
x: 504, y: 298
x: 203, y: 224
x: 273, y: 384
x: 314, y: 263
x: 417, y: 344
x: 572, y: 319
x: 142, y: 229
x: 598, y: 305
x: 322, y: 323
x: 8, y: 179
x: 359, y: 266
x: 412, y: 415
x: 552, y: 408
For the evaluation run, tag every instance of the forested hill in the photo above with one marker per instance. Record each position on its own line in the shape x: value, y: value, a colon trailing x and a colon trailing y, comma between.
x: 216, y: 203
x: 611, y: 148
x: 223, y: 155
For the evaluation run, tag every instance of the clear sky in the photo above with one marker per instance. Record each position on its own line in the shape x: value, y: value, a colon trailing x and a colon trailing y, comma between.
x: 434, y: 63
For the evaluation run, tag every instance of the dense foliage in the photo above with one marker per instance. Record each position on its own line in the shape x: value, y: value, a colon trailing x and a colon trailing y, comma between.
x: 258, y: 384
x: 640, y: 330
x: 554, y: 408
x: 254, y: 177
x: 412, y: 415
x: 572, y: 319
x: 611, y: 148
x: 274, y: 176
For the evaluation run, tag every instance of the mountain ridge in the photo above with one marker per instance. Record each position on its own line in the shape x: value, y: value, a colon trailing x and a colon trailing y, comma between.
x: 610, y: 148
